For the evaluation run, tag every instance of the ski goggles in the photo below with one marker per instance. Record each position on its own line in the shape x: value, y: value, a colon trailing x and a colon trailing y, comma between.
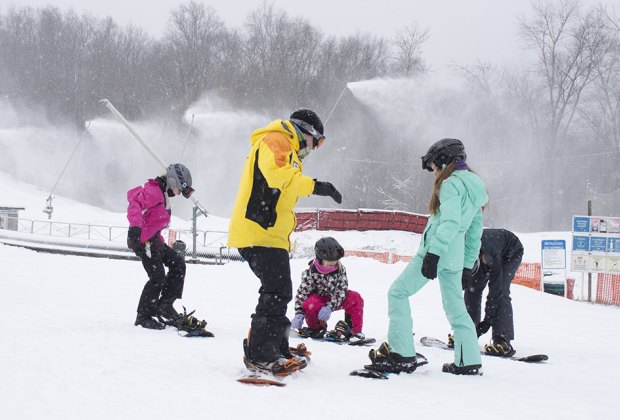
x: 187, y: 192
x: 317, y: 138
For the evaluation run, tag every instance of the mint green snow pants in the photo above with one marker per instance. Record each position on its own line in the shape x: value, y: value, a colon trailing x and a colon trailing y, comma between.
x: 400, y: 333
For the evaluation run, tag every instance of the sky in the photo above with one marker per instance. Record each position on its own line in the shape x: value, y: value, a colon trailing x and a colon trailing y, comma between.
x: 462, y: 32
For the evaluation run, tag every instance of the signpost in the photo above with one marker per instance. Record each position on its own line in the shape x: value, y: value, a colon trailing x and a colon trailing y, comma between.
x: 596, y: 245
x: 553, y: 260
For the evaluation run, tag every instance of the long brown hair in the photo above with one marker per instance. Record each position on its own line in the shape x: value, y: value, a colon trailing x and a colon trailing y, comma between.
x: 441, y: 176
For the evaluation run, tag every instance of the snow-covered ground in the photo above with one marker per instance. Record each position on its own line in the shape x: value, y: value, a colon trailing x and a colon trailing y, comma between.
x: 68, y: 347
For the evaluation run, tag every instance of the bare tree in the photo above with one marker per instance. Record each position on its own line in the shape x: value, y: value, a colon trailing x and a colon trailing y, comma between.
x: 569, y: 47
x: 408, y: 44
x: 281, y: 58
x: 602, y: 111
x: 193, y: 41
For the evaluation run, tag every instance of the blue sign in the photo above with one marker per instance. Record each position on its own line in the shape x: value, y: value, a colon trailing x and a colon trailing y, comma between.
x: 581, y: 243
x: 581, y: 224
x: 558, y: 244
x: 553, y: 254
x: 613, y: 245
x: 598, y: 244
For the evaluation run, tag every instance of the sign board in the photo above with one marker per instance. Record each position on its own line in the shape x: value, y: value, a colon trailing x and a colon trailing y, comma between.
x: 553, y: 254
x: 596, y: 244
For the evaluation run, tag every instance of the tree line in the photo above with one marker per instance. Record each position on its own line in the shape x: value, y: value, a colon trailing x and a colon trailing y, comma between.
x: 66, y: 62
x: 544, y: 133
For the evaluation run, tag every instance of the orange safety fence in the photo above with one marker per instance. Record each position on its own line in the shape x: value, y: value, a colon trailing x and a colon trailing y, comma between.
x: 608, y: 289
x: 379, y: 256
x: 528, y: 275
x: 172, y: 236
x: 570, y: 285
x: 385, y: 257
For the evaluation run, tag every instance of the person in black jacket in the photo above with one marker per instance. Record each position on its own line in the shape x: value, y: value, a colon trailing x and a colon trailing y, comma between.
x: 500, y: 256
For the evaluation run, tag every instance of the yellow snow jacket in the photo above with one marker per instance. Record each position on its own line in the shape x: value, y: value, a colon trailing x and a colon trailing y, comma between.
x: 271, y: 183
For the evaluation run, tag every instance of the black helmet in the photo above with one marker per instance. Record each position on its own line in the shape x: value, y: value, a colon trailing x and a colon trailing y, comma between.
x: 328, y: 249
x: 308, y: 122
x: 443, y: 152
x: 179, y: 177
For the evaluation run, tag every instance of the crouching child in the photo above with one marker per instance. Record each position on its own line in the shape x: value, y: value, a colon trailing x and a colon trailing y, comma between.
x: 324, y: 289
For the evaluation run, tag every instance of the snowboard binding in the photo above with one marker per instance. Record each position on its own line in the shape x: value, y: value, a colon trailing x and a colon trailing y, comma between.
x: 192, y: 326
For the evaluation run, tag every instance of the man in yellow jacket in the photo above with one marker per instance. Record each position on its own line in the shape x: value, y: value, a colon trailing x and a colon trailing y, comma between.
x: 261, y: 225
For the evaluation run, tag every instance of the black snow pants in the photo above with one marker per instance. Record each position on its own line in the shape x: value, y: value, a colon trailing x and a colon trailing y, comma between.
x: 498, y: 308
x: 270, y: 326
x: 161, y: 287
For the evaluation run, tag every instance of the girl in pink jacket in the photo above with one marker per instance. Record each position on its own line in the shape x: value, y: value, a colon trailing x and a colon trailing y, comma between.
x: 324, y: 288
x: 148, y: 214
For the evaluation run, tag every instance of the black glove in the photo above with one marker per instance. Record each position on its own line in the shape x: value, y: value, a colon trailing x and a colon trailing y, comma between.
x: 466, y: 279
x: 327, y: 189
x: 482, y: 327
x: 180, y: 247
x: 133, y: 238
x: 429, y: 265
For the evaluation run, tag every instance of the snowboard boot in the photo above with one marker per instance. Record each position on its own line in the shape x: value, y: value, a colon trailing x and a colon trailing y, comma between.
x: 280, y: 367
x: 499, y: 347
x: 385, y: 360
x: 166, y: 313
x: 306, y: 332
x: 462, y: 370
x: 341, y: 332
x: 148, y: 322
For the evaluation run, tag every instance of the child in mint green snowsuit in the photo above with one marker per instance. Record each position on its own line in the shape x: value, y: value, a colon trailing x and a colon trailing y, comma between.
x: 451, y: 242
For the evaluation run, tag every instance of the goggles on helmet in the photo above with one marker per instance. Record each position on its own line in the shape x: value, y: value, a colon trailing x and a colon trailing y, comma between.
x: 186, y: 190
x: 317, y: 138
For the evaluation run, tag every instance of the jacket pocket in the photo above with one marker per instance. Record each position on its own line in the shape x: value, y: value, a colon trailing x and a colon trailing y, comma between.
x: 263, y: 200
x: 425, y: 235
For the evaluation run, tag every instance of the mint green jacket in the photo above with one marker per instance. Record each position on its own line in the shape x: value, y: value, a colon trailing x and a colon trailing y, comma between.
x: 454, y: 231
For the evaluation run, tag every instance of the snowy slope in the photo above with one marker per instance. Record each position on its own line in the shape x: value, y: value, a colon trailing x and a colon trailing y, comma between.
x: 69, y: 349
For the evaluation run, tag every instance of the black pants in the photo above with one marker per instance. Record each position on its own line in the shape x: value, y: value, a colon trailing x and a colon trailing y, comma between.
x: 270, y: 326
x: 498, y: 308
x: 170, y: 286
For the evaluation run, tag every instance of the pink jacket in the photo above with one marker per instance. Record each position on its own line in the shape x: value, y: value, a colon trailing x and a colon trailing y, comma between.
x: 147, y: 209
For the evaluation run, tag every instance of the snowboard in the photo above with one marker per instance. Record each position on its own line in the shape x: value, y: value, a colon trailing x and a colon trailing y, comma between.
x: 324, y: 337
x: 369, y: 372
x: 353, y: 342
x: 261, y: 379
x: 196, y: 333
x: 434, y: 342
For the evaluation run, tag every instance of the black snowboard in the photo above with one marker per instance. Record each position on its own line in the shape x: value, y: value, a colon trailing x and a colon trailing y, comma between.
x: 369, y: 372
x: 434, y: 342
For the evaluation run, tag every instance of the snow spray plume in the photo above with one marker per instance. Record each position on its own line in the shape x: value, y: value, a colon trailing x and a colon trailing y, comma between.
x: 122, y: 119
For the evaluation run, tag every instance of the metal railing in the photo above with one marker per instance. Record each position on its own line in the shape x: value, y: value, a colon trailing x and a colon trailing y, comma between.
x: 109, y: 240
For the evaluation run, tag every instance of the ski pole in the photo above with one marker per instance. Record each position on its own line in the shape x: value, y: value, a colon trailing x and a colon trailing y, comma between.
x: 122, y: 119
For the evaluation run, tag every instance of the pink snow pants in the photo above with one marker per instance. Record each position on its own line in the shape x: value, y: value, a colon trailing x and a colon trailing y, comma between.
x: 353, y: 306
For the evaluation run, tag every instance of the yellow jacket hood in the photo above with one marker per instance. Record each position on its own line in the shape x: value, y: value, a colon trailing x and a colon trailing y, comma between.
x: 278, y: 126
